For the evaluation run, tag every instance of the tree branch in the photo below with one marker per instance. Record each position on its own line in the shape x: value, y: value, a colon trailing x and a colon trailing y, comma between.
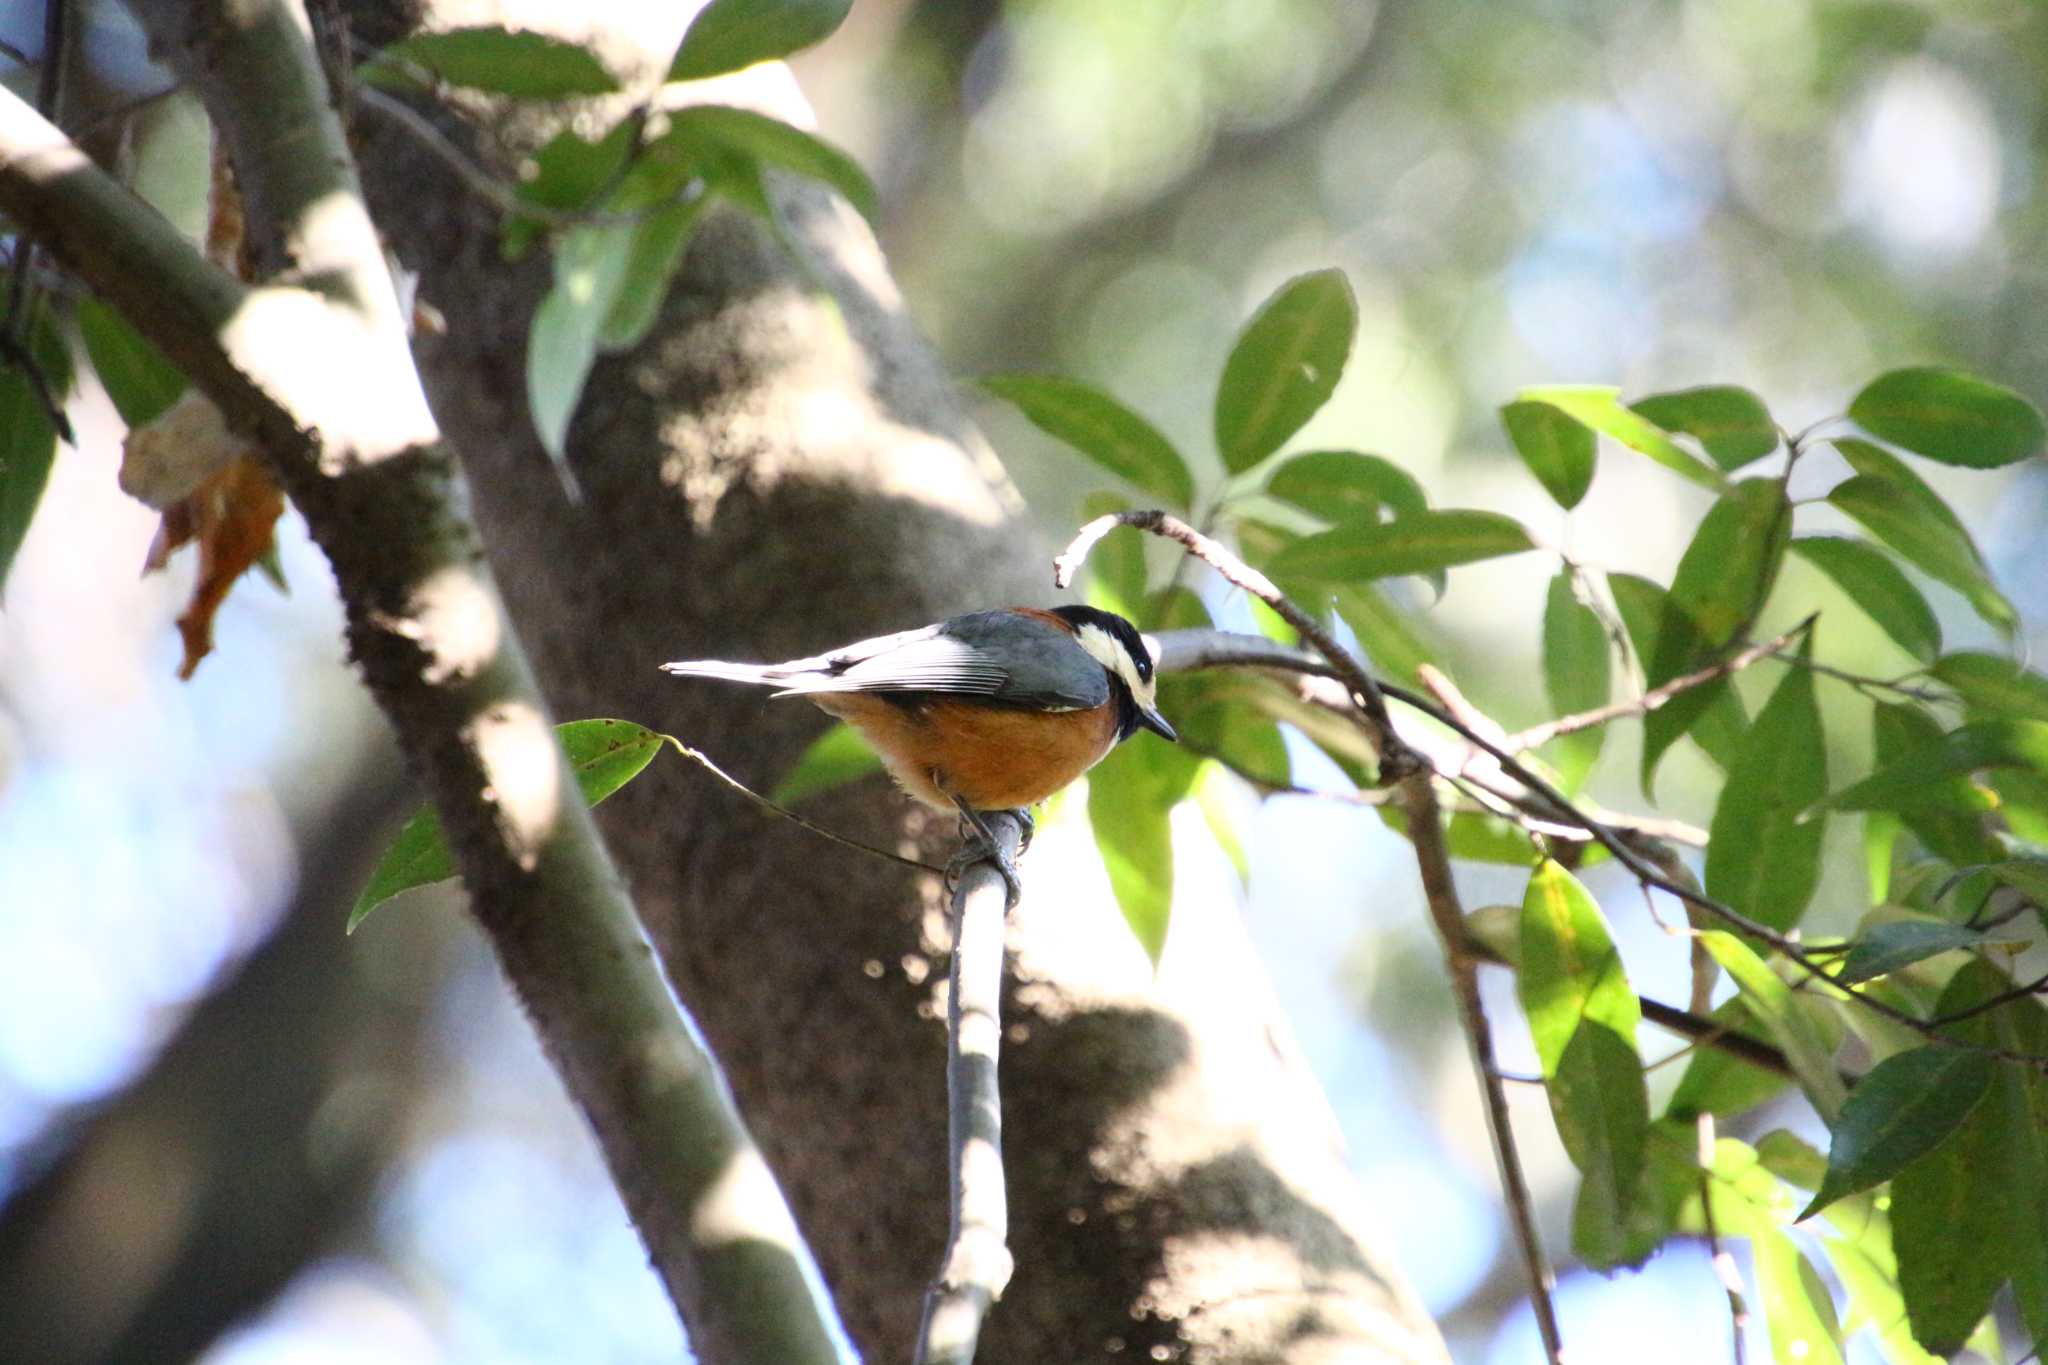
x: 1416, y: 774
x: 318, y: 370
x: 977, y: 1260
x: 1538, y: 735
x: 1201, y: 652
x: 1440, y: 892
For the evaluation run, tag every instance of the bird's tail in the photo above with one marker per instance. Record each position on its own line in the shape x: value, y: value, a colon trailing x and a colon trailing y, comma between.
x: 760, y: 675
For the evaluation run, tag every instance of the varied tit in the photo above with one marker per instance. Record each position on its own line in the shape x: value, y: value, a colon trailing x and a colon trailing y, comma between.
x: 994, y: 710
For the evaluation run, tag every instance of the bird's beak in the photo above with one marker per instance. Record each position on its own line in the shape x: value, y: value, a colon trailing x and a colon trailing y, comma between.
x: 1156, y: 723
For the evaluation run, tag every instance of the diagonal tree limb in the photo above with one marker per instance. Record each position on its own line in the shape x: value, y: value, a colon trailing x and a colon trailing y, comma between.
x: 319, y: 371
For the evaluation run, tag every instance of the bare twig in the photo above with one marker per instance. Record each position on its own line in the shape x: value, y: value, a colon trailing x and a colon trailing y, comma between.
x: 1864, y: 683
x: 1537, y: 735
x: 1433, y: 861
x: 703, y: 761
x: 1724, y: 1264
x: 2021, y: 992
x: 977, y: 1263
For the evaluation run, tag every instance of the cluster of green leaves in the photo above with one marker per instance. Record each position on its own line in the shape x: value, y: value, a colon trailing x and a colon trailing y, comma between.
x: 1955, y: 813
x: 638, y: 189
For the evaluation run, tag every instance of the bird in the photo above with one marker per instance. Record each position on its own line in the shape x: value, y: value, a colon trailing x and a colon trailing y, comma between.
x: 988, y: 711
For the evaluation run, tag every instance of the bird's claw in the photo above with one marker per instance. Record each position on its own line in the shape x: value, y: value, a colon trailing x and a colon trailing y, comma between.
x: 979, y: 843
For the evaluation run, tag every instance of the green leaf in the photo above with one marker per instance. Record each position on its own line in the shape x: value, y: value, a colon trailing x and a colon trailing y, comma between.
x: 590, y: 268
x: 523, y: 64
x: 1874, y: 583
x: 2028, y: 876
x: 1969, y: 1214
x: 1712, y: 714
x: 1557, y: 448
x: 569, y: 173
x: 1725, y: 575
x: 1600, y: 408
x: 1992, y: 685
x: 1393, y: 643
x: 1343, y: 485
x: 1719, y: 1083
x: 1131, y: 795
x: 1101, y: 428
x: 1570, y: 970
x: 1285, y: 365
x: 1475, y: 837
x: 1905, y: 1107
x: 1215, y: 714
x: 133, y: 371
x: 652, y: 255
x: 714, y: 130
x: 1950, y: 416
x: 1885, y: 948
x: 1361, y: 551
x: 1980, y: 744
x: 833, y: 759
x: 1602, y: 1110
x: 1575, y: 676
x: 1721, y: 584
x: 1797, y: 1306
x: 28, y: 443
x: 1761, y: 858
x: 603, y: 755
x: 729, y: 34
x: 1869, y: 1274
x: 1791, y: 1028
x: 2023, y: 803
x: 1919, y: 527
x: 1731, y: 424
x: 1948, y: 815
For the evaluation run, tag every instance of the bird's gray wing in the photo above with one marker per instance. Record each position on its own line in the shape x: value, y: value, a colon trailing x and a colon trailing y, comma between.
x: 1010, y: 659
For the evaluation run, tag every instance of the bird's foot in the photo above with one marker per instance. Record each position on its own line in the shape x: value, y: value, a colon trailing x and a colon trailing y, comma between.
x: 979, y: 842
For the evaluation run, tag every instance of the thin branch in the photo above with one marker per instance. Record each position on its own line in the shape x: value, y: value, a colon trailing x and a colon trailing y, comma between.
x: 1440, y: 891
x: 2034, y: 987
x: 1724, y: 1264
x: 1537, y: 735
x: 15, y: 353
x: 1864, y: 683
x: 703, y: 761
x: 977, y: 1261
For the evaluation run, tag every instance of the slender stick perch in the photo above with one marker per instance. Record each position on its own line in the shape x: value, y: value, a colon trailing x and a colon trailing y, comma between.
x: 977, y: 1261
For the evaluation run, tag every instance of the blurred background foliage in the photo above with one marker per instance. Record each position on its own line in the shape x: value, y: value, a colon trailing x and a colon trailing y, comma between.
x: 1792, y: 195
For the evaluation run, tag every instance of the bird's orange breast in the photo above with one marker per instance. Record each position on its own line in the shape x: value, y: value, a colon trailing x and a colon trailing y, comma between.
x: 991, y: 757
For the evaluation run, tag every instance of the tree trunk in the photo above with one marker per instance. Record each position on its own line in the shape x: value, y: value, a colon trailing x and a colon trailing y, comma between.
x: 780, y: 467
